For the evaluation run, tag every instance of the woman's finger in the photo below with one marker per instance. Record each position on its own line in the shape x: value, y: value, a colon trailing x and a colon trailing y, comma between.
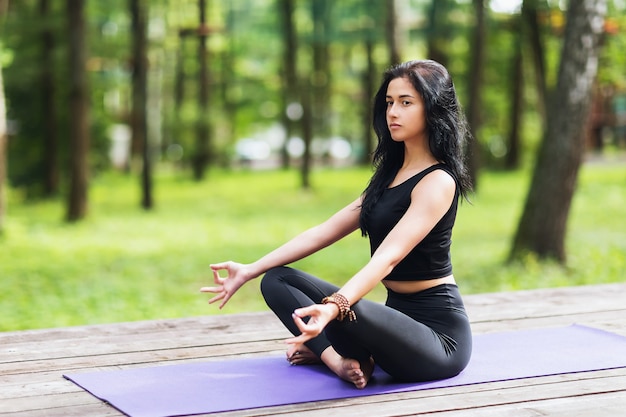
x: 310, y: 329
x: 217, y: 298
x: 216, y: 277
x: 306, y: 311
x: 225, y: 298
x: 298, y: 340
x: 222, y: 265
x: 212, y: 289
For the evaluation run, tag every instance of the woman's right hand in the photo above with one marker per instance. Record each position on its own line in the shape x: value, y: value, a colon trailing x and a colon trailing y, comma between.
x: 236, y: 275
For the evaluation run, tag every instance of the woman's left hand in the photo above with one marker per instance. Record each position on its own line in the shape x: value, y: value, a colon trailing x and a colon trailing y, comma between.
x: 319, y: 316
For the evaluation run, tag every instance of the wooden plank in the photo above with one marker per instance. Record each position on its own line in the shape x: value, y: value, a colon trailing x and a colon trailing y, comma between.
x: 545, y: 302
x: 600, y: 405
x: 573, y: 305
x: 119, y: 351
x: 75, y: 363
x: 31, y: 362
x: 170, y: 333
x: 48, y: 350
x: 222, y: 322
x: 482, y: 307
x: 98, y: 409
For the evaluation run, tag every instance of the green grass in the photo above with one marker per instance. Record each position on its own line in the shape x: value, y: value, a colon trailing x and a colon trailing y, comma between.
x: 124, y: 264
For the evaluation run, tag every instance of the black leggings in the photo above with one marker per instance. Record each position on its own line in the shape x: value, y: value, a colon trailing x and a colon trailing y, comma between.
x: 413, y: 337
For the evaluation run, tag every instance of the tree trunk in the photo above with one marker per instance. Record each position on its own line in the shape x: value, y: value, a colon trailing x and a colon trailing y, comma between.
x: 48, y: 93
x: 290, y: 85
x: 532, y: 29
x: 179, y: 78
x: 179, y: 91
x: 139, y: 113
x: 391, y: 31
x: 543, y: 223
x: 3, y: 152
x: 369, y: 76
x: 512, y: 158
x: 228, y: 78
x: 79, y: 109
x: 438, y: 31
x: 321, y: 79
x: 3, y: 137
x: 475, y: 89
x: 202, y: 156
x: 307, y: 136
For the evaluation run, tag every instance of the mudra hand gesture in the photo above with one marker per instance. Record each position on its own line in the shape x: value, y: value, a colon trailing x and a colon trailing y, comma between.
x: 237, y: 275
x: 319, y: 316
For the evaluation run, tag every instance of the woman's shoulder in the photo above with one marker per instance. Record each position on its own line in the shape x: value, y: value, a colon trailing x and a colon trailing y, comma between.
x: 439, y: 171
x: 438, y: 175
x: 437, y: 183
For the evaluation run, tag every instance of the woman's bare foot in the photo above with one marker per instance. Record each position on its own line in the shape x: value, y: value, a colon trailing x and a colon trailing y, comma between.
x: 349, y: 369
x: 302, y: 355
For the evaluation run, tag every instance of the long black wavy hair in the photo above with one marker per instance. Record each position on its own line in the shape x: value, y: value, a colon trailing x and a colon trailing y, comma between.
x: 446, y: 126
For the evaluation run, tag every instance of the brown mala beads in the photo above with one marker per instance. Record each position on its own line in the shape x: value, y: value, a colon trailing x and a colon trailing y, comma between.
x: 343, y: 304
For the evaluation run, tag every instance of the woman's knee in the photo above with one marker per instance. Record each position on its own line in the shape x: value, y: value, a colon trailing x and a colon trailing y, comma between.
x: 273, y: 278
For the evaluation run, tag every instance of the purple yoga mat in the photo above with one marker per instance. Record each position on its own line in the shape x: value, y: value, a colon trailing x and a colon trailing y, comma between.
x: 199, y: 388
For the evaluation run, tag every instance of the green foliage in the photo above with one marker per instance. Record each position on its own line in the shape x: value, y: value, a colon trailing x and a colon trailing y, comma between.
x: 245, y: 58
x: 612, y: 58
x: 124, y: 264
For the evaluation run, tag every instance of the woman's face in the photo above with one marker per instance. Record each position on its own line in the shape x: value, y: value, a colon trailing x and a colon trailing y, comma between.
x: 406, y: 117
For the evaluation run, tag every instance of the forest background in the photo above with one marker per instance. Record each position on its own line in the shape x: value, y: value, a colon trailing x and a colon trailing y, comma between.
x: 142, y: 140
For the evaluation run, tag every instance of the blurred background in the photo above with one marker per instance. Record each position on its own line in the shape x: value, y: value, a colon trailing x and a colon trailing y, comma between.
x: 142, y: 140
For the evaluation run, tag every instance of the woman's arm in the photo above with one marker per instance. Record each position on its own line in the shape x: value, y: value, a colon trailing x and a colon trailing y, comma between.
x: 342, y: 223
x: 430, y: 200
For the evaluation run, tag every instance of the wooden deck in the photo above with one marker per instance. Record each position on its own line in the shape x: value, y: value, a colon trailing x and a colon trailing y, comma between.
x: 32, y: 362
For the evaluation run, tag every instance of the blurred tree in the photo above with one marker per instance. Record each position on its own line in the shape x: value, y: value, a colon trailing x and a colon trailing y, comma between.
x: 391, y: 31
x: 307, y: 133
x: 438, y: 32
x: 369, y: 78
x: 542, y: 227
x: 228, y: 76
x: 50, y: 133
x: 202, y: 154
x: 321, y: 75
x: 528, y: 37
x: 179, y: 80
x: 369, y: 90
x: 516, y: 84
x: 139, y: 114
x: 474, y: 106
x: 531, y: 33
x: 3, y: 140
x: 79, y: 134
x: 289, y: 72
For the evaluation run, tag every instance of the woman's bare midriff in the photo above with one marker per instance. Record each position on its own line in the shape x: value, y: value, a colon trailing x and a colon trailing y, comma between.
x: 410, y: 287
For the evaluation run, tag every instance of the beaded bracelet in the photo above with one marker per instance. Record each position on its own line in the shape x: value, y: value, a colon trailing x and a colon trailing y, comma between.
x: 343, y: 304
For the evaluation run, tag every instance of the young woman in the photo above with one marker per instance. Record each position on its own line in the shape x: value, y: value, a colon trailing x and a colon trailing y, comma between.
x: 408, y: 210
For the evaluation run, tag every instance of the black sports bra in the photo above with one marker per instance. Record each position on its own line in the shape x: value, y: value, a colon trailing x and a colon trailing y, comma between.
x: 430, y: 259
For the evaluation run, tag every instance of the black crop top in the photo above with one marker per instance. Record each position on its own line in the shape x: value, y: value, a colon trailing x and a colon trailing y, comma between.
x: 430, y: 259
